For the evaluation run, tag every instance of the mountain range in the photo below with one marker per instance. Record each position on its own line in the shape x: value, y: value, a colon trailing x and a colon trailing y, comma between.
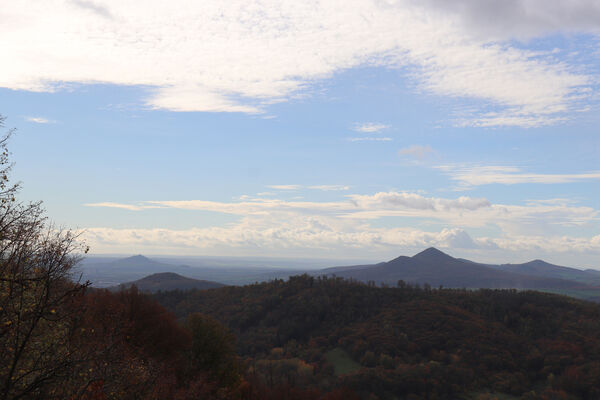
x: 437, y: 268
x: 430, y: 266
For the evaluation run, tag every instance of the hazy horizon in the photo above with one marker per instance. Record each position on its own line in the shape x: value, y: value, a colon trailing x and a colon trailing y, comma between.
x: 311, y: 262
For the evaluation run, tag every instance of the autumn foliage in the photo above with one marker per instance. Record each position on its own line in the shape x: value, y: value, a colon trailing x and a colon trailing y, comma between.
x: 407, y: 342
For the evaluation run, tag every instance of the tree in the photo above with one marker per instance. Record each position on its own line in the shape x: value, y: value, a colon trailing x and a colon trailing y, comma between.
x: 213, y: 349
x: 37, y: 317
x: 128, y: 347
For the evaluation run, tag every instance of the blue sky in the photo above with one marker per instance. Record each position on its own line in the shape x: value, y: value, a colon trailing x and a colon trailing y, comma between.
x: 362, y: 129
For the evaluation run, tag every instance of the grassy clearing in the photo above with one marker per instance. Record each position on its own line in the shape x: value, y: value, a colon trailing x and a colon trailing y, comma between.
x: 341, y: 361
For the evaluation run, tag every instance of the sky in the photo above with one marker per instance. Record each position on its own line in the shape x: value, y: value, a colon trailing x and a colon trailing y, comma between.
x: 355, y: 129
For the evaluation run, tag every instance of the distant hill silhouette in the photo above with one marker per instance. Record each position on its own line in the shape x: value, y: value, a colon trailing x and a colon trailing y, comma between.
x: 430, y: 266
x: 168, y: 281
x: 108, y: 272
x: 436, y: 268
x: 140, y: 263
x: 114, y: 272
x: 542, y: 268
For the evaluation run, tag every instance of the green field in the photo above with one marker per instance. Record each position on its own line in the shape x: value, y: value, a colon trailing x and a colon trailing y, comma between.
x: 341, y: 361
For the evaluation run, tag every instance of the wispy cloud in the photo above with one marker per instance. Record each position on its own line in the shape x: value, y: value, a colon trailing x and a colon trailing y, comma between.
x: 329, y: 188
x: 369, y: 127
x: 131, y: 207
x: 370, y: 139
x: 460, y: 211
x: 39, y: 120
x: 485, y: 175
x: 325, y: 188
x: 416, y: 151
x: 285, y: 187
x: 210, y: 56
x: 556, y: 201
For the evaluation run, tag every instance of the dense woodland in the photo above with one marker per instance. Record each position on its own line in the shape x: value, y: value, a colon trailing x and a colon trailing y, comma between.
x: 407, y: 342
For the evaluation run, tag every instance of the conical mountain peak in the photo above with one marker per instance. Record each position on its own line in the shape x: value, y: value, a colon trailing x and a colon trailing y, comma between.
x: 432, y: 254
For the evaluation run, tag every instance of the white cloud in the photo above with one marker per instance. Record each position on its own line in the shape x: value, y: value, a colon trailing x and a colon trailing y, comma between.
x: 295, y: 227
x: 39, y: 120
x: 506, y: 175
x: 553, y: 244
x: 330, y: 188
x: 311, y: 233
x: 370, y: 127
x: 325, y: 188
x: 322, y: 239
x: 416, y: 151
x: 555, y: 201
x: 285, y: 187
x: 240, y: 56
x: 258, y: 206
x: 130, y: 207
x: 370, y: 139
x: 462, y: 211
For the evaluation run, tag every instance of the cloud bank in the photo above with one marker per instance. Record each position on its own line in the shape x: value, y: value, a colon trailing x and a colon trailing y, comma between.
x: 273, y: 225
x: 241, y: 56
x: 320, y: 239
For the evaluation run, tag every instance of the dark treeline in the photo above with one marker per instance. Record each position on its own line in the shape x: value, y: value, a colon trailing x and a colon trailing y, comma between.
x: 408, y: 342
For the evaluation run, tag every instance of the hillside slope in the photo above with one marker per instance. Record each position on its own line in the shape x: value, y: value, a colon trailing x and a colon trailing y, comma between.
x: 400, y: 342
x: 168, y: 281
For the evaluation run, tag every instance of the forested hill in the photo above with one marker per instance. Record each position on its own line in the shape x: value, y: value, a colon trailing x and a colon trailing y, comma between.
x: 398, y: 342
x: 168, y: 281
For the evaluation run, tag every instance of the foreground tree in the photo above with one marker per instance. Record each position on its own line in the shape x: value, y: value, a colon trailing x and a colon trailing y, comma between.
x: 37, y: 317
x: 212, y: 349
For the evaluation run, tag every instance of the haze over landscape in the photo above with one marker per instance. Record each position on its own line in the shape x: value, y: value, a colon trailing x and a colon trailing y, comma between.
x: 430, y: 267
